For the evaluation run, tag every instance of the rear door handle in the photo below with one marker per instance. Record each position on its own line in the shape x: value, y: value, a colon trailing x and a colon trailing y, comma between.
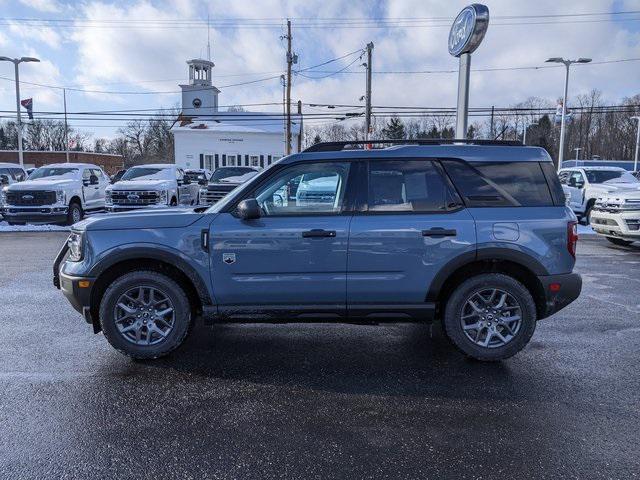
x: 318, y: 233
x: 439, y: 232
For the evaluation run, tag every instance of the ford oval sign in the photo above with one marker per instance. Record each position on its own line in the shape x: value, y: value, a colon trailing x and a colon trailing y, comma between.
x: 468, y: 29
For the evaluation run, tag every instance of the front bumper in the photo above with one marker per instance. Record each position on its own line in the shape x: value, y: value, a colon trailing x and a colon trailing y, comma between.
x: 43, y: 214
x: 621, y: 224
x: 128, y: 208
x: 559, y: 291
x: 77, y: 290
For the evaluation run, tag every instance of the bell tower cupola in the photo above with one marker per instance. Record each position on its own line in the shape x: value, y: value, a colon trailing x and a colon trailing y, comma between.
x: 199, y: 97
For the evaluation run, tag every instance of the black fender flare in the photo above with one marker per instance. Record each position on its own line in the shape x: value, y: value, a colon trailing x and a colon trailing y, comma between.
x: 154, y: 252
x: 483, y: 253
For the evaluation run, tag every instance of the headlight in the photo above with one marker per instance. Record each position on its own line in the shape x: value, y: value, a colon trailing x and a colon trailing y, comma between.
x: 203, y: 191
x: 75, y: 246
x: 162, y: 198
x: 3, y: 197
x: 60, y: 196
x: 107, y: 198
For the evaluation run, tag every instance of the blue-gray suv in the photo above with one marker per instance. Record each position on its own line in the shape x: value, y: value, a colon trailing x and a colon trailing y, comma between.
x: 472, y: 234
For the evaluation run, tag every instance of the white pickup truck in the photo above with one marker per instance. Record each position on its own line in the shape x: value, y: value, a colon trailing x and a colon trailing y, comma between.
x: 617, y: 217
x: 61, y: 192
x: 586, y: 184
x: 157, y: 185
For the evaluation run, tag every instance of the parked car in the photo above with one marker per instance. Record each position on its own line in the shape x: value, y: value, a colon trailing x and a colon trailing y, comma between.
x: 223, y: 181
x: 11, y: 173
x: 61, y: 192
x: 151, y: 186
x: 617, y: 217
x: 586, y: 184
x: 477, y: 237
x: 116, y: 177
x: 199, y: 176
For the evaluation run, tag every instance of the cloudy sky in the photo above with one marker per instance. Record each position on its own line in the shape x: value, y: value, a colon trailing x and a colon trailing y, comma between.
x: 141, y: 47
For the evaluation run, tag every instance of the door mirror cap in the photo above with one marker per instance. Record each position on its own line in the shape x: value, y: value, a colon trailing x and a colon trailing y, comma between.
x: 249, y: 209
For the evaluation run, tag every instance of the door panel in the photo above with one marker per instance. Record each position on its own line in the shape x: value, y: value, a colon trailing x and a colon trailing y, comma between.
x: 270, y: 262
x: 390, y: 261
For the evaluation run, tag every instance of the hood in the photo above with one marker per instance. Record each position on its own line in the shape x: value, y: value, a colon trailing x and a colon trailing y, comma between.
x: 222, y: 186
x: 141, y: 185
x: 140, y: 219
x: 626, y: 194
x: 605, y: 188
x: 43, y: 184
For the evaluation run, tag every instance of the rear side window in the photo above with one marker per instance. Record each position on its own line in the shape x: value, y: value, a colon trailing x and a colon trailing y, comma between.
x: 407, y: 186
x: 500, y: 184
x: 554, y: 182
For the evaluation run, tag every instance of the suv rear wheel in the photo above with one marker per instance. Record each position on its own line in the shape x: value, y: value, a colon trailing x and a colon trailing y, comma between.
x: 145, y: 314
x: 490, y: 317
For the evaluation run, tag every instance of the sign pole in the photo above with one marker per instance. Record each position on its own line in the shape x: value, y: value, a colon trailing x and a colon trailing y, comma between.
x: 462, y: 111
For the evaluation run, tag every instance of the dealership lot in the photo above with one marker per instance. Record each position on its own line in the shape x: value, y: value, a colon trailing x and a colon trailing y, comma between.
x: 311, y: 401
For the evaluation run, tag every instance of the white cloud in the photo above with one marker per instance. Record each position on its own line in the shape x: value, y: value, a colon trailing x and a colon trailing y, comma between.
x: 46, y: 35
x: 42, y: 5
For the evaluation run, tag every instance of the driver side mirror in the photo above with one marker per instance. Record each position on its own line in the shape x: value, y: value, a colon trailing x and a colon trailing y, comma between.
x: 93, y: 180
x: 249, y: 209
x: 203, y: 182
x: 186, y: 181
x: 4, y: 179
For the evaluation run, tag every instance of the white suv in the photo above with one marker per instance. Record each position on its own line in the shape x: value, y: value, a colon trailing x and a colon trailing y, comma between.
x: 60, y: 192
x: 586, y: 184
x: 152, y: 186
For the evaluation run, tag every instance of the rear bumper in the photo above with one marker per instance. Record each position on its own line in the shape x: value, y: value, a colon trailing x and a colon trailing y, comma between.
x: 44, y: 214
x: 559, y: 291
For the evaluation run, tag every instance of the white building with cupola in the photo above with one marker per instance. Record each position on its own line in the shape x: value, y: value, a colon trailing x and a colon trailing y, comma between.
x: 206, y: 137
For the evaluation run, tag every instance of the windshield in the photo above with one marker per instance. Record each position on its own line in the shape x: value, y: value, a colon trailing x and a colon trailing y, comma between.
x: 610, y: 176
x: 195, y: 176
x: 45, y: 172
x: 147, y: 173
x: 223, y: 173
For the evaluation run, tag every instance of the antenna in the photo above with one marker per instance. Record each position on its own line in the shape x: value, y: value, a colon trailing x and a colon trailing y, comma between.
x: 208, y: 39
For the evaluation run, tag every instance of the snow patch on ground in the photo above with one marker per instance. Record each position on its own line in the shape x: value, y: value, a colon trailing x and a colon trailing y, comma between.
x: 5, y: 227
x: 585, y: 230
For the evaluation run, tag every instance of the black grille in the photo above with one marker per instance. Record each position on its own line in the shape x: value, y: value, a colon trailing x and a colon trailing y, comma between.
x: 29, y: 198
x: 134, y: 197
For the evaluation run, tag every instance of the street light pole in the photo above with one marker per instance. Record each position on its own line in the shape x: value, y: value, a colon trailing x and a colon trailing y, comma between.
x: 635, y: 162
x: 16, y: 62
x: 577, y: 149
x: 567, y: 64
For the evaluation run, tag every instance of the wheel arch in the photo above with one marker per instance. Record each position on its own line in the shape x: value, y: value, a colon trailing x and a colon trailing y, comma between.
x: 145, y: 258
x: 516, y: 264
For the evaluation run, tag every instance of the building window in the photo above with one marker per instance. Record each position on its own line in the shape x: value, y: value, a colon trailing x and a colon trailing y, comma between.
x: 254, y: 160
x: 232, y: 160
x: 208, y: 162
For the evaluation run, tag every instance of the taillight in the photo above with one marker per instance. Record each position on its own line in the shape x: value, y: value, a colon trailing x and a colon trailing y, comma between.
x: 572, y: 237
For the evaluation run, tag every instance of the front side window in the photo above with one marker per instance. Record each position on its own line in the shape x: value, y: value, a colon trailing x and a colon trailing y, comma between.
x: 576, y: 179
x: 610, y: 176
x: 309, y: 188
x: 407, y: 186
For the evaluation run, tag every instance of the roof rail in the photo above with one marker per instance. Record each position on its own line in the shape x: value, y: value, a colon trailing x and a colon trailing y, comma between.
x: 360, y: 144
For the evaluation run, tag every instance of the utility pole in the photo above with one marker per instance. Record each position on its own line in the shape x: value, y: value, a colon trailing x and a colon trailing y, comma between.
x: 283, y: 82
x: 635, y: 162
x: 301, y: 131
x: 66, y: 126
x: 288, y: 100
x: 491, y: 132
x: 367, y: 118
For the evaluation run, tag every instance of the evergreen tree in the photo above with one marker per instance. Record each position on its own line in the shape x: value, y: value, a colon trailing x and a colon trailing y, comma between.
x: 394, y: 130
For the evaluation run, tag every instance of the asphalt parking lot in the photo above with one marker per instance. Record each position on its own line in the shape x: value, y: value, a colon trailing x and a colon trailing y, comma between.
x: 318, y: 401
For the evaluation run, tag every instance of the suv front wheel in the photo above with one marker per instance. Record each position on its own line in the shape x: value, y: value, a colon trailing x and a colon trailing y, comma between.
x: 145, y: 314
x: 490, y: 317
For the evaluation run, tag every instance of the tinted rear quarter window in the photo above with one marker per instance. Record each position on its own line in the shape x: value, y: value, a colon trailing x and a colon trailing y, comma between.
x: 500, y: 184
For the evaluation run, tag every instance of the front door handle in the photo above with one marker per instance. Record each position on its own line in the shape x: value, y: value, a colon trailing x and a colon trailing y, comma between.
x: 318, y: 233
x: 439, y: 232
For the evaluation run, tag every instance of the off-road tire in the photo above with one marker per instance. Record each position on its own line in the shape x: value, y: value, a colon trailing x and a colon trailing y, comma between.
x: 455, y: 304
x: 179, y: 299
